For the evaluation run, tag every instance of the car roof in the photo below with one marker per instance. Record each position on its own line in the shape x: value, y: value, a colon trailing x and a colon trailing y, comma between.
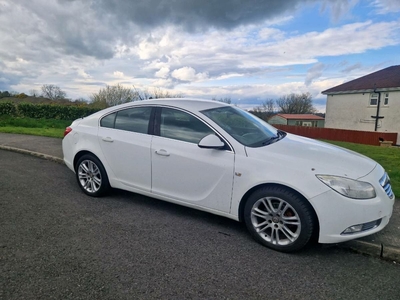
x: 185, y: 103
x: 194, y: 105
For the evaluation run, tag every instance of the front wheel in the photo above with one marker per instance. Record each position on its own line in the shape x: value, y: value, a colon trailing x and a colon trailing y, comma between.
x: 91, y: 176
x: 279, y: 219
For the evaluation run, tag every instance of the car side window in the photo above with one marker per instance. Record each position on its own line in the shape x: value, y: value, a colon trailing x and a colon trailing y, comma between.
x: 133, y: 119
x: 108, y: 121
x: 178, y: 125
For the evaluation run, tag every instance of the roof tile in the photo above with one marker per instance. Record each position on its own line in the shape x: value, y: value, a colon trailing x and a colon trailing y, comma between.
x: 383, y: 79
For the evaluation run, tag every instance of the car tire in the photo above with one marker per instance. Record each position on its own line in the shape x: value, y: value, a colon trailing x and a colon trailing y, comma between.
x: 279, y: 218
x: 91, y: 176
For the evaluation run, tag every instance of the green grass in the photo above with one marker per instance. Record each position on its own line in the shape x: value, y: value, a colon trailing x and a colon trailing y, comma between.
x: 42, y: 127
x: 389, y: 158
x: 51, y: 132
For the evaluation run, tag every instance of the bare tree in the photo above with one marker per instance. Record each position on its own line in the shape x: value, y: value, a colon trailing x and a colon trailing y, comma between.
x: 155, y: 93
x: 296, y: 104
x: 33, y: 93
x: 80, y: 100
x: 53, y: 92
x: 112, y: 95
x: 5, y: 94
x: 265, y: 110
x: 118, y: 94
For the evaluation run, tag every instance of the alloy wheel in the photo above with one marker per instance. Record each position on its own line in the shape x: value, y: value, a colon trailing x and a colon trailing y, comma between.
x: 275, y: 221
x: 89, y: 176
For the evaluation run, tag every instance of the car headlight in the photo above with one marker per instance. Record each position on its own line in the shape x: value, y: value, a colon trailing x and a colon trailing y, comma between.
x: 348, y: 187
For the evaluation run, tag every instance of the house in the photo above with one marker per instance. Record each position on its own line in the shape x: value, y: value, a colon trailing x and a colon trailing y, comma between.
x: 369, y: 103
x: 309, y: 120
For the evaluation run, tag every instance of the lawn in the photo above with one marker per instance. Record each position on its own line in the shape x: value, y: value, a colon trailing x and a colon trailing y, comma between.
x: 43, y: 127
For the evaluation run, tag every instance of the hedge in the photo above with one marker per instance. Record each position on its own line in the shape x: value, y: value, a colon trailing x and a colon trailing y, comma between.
x: 8, y: 108
x: 46, y: 111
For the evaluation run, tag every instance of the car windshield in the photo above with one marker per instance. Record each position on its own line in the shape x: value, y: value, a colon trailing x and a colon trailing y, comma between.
x: 244, y: 127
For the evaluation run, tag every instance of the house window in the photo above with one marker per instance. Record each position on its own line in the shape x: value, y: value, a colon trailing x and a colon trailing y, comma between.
x: 386, y: 100
x: 307, y: 123
x: 373, y: 100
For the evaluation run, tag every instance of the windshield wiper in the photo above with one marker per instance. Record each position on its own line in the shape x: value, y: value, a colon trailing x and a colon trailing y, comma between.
x: 279, y: 135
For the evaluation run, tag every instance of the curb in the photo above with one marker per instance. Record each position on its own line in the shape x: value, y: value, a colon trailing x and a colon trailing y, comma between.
x: 33, y: 153
x: 381, y: 251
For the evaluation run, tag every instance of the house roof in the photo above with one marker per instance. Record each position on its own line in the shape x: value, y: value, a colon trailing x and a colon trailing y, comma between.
x: 385, y: 79
x: 300, y: 117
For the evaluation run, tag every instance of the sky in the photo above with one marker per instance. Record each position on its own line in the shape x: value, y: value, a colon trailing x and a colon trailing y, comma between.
x: 246, y: 50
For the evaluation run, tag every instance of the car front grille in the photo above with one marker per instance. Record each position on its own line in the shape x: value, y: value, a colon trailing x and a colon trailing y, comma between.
x: 385, y: 183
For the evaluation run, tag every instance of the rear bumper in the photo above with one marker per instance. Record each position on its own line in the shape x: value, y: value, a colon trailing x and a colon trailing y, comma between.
x: 67, y: 147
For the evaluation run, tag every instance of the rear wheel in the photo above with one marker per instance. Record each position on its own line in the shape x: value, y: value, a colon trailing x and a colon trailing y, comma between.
x: 91, y: 176
x: 279, y: 219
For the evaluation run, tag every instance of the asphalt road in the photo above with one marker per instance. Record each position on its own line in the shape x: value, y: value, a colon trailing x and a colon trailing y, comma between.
x: 57, y: 243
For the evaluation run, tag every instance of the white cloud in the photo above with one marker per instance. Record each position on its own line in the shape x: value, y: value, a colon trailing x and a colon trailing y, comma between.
x: 163, y: 83
x: 313, y: 73
x: 271, y: 34
x: 227, y: 76
x: 118, y: 74
x: 162, y: 73
x: 339, y: 9
x: 386, y: 6
x: 82, y: 46
x: 188, y: 74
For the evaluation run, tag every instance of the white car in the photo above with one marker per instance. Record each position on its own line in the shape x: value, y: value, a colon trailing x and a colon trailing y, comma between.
x: 220, y: 159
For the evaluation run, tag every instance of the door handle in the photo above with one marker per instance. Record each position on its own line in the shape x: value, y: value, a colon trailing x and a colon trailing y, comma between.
x: 162, y: 152
x: 108, y: 139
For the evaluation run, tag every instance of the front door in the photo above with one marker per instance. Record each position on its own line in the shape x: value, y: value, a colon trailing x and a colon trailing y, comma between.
x: 183, y: 171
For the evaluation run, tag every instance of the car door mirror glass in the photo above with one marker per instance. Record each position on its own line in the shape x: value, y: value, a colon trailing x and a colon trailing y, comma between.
x: 211, y: 141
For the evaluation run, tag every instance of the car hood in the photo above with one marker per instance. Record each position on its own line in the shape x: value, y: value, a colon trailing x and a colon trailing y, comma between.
x: 308, y: 154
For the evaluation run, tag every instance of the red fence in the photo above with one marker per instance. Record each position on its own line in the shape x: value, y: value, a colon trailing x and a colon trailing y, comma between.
x: 352, y: 136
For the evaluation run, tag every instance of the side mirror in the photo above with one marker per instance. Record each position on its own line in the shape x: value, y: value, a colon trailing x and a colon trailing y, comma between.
x: 211, y: 141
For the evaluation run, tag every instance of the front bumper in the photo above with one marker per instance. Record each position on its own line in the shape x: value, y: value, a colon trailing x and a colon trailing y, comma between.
x: 336, y: 213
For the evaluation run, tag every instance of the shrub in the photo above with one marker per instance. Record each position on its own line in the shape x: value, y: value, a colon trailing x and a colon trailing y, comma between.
x: 8, y: 108
x: 50, y: 111
x: 21, y: 96
x: 46, y: 111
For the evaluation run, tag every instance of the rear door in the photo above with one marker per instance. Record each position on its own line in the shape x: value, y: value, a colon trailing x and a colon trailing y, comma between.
x: 125, y: 141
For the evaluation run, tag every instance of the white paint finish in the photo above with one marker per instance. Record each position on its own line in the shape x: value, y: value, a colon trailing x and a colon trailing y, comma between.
x: 204, y: 179
x: 305, y: 154
x: 352, y: 111
x: 192, y: 174
x: 128, y: 155
x: 352, y: 212
x: 294, y: 161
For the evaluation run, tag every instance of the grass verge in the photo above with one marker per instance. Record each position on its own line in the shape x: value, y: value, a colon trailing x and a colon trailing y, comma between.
x: 51, y: 132
x: 42, y: 127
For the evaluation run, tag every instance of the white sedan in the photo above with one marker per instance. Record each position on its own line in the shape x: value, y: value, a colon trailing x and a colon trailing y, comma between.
x: 220, y: 159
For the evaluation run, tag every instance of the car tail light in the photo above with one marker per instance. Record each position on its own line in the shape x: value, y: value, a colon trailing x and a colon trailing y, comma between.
x: 67, y: 130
